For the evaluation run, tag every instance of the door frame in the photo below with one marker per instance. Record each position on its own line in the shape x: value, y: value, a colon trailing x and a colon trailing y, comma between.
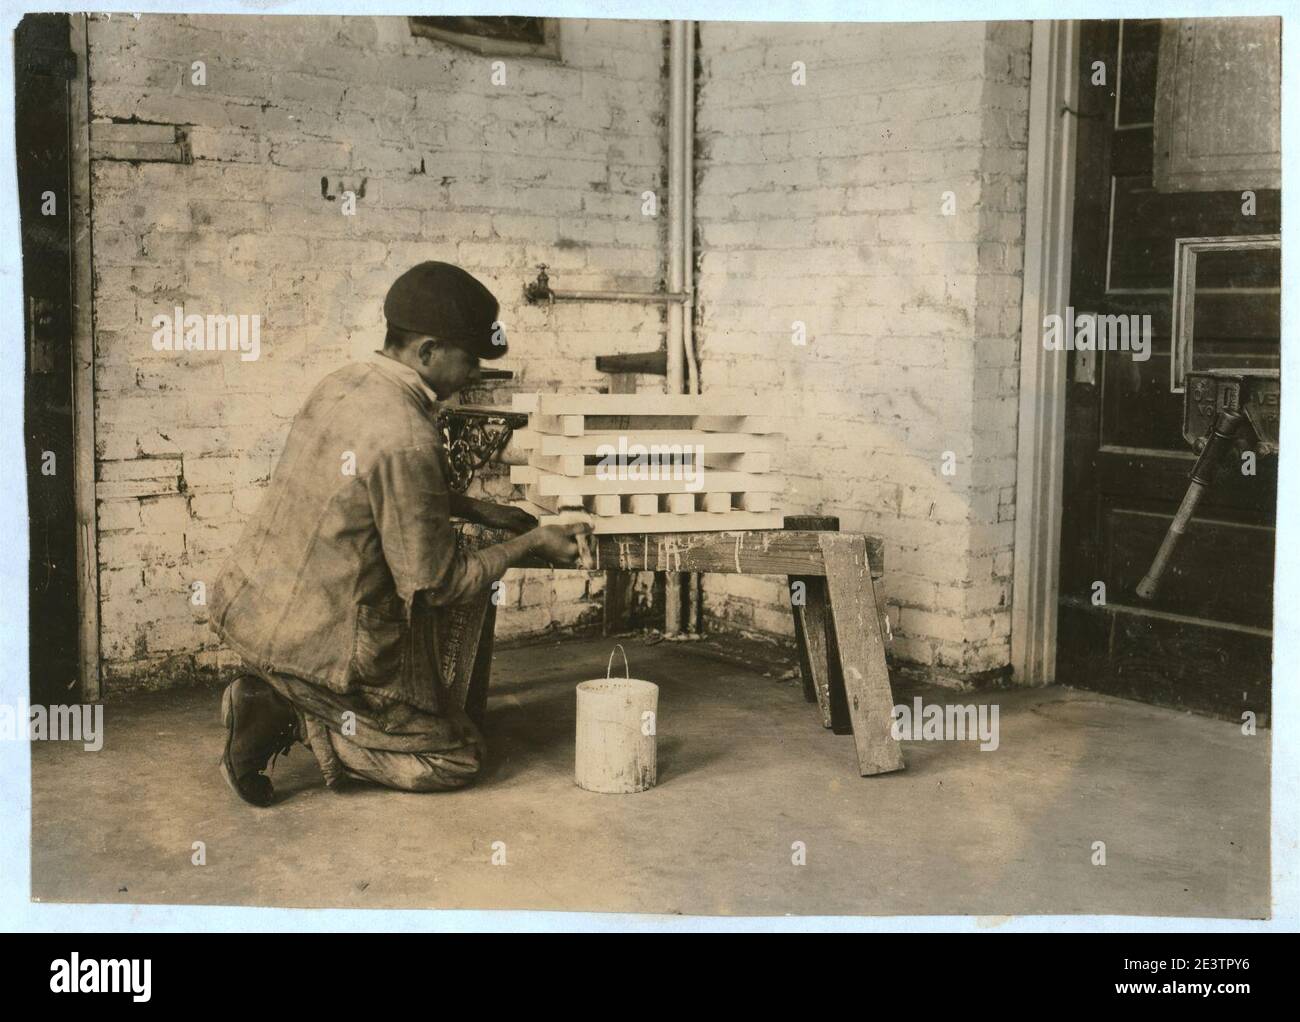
x: 1040, y: 459
x: 83, y: 366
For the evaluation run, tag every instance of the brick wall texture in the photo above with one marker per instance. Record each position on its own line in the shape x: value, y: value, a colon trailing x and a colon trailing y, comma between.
x: 819, y: 202
x: 824, y: 204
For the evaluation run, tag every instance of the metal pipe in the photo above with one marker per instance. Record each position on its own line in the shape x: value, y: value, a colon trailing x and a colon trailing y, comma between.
x: 673, y: 379
x: 688, y: 215
x: 677, y: 87
x: 694, y: 581
x: 662, y: 297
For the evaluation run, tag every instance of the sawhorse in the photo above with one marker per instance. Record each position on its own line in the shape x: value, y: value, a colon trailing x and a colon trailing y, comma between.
x: 837, y: 625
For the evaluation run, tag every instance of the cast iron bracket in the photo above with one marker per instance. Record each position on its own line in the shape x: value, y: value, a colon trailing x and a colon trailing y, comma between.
x: 474, y: 436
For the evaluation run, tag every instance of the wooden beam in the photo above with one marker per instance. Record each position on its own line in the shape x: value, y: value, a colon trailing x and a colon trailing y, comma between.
x: 651, y: 363
x: 773, y: 552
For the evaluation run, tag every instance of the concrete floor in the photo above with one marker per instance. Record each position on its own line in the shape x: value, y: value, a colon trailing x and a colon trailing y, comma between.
x: 1181, y: 803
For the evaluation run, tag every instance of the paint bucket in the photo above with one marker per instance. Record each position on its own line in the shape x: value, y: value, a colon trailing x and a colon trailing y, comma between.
x: 614, y: 752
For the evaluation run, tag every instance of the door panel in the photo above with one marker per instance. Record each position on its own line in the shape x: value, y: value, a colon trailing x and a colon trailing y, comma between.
x: 1203, y: 643
x: 45, y: 65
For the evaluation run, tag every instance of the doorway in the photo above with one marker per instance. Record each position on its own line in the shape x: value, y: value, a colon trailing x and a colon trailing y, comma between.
x: 1204, y: 642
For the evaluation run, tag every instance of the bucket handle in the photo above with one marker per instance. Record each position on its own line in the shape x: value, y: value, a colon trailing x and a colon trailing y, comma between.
x: 627, y: 671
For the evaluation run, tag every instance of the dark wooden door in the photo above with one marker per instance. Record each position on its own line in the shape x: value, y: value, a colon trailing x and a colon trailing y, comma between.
x: 1204, y: 642
x: 45, y: 68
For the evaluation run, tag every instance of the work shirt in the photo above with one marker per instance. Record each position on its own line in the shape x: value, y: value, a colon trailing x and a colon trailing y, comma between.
x: 355, y: 525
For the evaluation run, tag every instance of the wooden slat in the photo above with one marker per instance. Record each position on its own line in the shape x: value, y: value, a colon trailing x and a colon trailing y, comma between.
x: 697, y: 522
x: 592, y: 440
x: 548, y: 484
x: 580, y: 425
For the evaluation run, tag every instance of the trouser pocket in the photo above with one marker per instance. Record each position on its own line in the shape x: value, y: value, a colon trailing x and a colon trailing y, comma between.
x: 379, y: 645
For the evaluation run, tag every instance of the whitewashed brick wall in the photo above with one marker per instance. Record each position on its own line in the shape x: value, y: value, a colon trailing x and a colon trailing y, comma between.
x: 820, y: 203
x: 823, y: 203
x: 548, y: 168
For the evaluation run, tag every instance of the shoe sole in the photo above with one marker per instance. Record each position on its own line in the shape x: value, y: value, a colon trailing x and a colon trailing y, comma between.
x: 228, y: 721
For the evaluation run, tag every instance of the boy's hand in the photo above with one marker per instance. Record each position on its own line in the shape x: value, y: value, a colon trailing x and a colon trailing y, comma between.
x: 556, y: 543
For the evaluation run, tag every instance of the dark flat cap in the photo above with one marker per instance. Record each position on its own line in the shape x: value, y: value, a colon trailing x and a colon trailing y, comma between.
x: 445, y: 302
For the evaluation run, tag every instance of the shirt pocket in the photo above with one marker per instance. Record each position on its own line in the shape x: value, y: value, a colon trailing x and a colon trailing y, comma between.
x: 379, y: 646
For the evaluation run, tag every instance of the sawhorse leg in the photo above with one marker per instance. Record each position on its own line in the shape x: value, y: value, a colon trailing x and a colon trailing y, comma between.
x: 617, y: 610
x: 811, y: 612
x: 619, y: 585
x: 812, y: 634
x: 856, y: 653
